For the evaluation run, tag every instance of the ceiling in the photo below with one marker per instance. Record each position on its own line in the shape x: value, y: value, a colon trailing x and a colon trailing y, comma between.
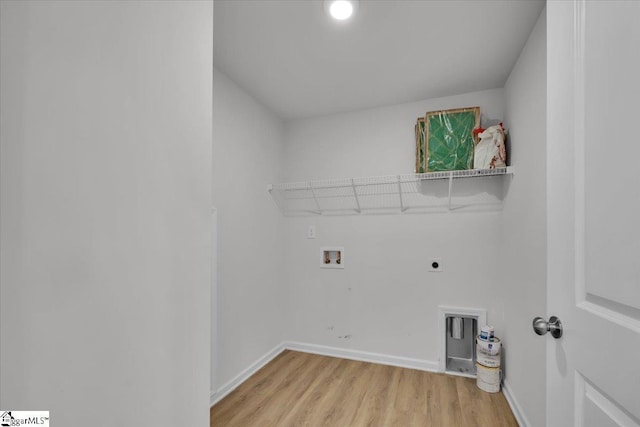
x: 297, y: 61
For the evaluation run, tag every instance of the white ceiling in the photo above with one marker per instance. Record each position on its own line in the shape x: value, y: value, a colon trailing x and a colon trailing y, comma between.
x: 298, y: 62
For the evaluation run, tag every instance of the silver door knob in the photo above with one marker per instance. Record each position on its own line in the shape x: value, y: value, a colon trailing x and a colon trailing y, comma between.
x: 541, y: 326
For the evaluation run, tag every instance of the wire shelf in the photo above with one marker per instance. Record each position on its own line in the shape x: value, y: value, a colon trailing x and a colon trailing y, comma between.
x: 391, y: 194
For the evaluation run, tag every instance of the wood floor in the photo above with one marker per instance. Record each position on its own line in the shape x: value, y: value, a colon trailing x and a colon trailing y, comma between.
x: 300, y: 389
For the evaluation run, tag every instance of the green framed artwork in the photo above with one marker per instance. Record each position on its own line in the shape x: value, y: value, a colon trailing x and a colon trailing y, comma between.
x: 421, y: 166
x: 449, y: 140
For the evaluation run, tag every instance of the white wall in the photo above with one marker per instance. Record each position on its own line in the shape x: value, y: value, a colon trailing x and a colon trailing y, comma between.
x: 523, y: 264
x: 248, y: 151
x: 378, y: 141
x: 385, y: 298
x: 106, y: 200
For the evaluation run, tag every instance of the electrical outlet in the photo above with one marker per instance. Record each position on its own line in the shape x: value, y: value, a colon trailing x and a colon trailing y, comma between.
x: 311, y: 232
x: 435, y: 265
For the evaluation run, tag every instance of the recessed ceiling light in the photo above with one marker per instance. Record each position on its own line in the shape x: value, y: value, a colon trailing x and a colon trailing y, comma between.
x: 340, y: 9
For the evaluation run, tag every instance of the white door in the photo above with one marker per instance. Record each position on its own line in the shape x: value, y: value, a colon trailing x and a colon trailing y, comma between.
x: 593, y: 187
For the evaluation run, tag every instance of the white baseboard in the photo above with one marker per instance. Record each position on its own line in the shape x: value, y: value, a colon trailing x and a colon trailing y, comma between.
x: 363, y: 356
x: 515, y: 406
x: 231, y: 385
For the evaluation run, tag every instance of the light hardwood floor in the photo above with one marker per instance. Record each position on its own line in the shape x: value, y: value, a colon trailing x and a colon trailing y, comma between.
x: 300, y: 389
